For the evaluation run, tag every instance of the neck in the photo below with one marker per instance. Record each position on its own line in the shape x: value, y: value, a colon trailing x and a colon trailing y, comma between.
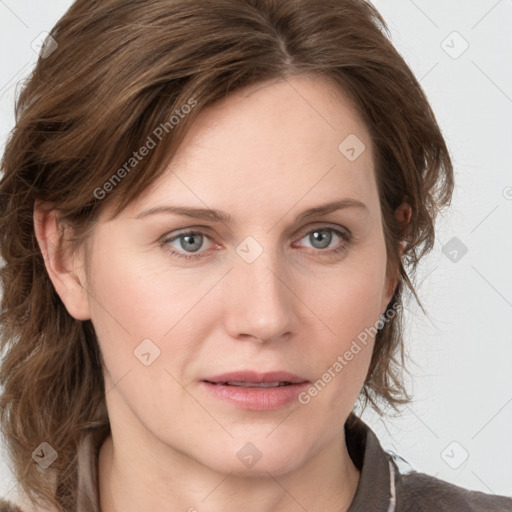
x: 160, y: 478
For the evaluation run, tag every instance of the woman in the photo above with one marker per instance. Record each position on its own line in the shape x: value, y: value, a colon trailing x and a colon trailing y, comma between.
x: 205, y: 210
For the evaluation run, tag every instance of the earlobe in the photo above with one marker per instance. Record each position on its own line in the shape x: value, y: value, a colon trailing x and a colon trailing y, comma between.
x: 65, y: 270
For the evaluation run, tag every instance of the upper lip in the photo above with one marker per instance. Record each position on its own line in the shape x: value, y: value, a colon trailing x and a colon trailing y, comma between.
x: 253, y: 376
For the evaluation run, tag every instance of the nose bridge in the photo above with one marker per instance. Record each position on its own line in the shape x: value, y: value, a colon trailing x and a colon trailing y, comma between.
x: 260, y: 304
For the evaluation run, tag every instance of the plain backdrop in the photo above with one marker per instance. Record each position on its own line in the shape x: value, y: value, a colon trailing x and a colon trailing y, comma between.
x: 459, y: 427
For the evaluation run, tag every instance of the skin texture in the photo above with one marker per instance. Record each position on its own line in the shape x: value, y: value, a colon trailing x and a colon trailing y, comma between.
x: 264, y: 155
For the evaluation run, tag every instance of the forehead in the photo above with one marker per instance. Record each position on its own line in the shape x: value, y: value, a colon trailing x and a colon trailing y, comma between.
x: 276, y: 143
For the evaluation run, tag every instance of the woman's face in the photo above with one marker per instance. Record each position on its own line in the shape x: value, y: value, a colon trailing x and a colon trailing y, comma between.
x: 270, y: 289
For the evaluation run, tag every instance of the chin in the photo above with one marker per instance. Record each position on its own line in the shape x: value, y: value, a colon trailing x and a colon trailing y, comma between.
x: 255, y: 459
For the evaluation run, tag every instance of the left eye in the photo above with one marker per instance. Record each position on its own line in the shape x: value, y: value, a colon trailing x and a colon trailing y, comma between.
x: 193, y: 241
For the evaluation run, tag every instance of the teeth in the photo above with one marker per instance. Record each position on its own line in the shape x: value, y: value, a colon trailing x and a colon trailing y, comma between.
x: 257, y: 384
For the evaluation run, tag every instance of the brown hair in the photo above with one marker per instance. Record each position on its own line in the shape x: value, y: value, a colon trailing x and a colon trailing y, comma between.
x: 121, y: 69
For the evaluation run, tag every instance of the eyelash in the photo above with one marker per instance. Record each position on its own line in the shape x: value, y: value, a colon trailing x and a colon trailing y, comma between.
x: 345, y: 236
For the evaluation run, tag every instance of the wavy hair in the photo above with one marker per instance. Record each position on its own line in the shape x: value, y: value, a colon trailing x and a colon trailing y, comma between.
x: 111, y: 73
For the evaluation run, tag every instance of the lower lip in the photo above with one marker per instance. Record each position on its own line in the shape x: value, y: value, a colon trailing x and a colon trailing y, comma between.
x: 255, y: 398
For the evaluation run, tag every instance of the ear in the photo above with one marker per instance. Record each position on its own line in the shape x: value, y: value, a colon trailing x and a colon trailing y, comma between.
x: 403, y: 215
x: 66, y: 270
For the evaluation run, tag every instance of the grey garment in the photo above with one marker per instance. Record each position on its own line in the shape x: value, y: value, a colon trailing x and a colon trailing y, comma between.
x: 382, y: 486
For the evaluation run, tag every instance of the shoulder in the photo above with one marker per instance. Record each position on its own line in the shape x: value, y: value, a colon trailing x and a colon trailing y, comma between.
x: 388, y: 482
x: 419, y: 492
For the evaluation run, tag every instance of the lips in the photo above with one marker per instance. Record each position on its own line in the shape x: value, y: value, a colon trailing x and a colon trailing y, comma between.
x: 253, y: 384
x: 255, y: 391
x: 249, y: 378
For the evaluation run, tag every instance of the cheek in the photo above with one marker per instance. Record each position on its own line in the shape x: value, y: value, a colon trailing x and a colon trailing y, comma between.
x: 133, y: 294
x: 132, y: 301
x: 341, y: 360
x: 349, y: 307
x: 348, y: 298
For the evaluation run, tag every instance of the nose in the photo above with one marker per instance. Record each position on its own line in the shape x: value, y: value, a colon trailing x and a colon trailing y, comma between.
x: 259, y: 304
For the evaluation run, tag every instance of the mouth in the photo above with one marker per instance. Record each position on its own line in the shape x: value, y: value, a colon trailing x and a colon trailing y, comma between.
x: 256, y: 391
x: 251, y: 378
x: 251, y: 384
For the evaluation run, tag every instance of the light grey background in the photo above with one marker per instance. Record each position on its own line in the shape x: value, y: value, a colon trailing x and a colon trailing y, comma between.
x: 462, y: 376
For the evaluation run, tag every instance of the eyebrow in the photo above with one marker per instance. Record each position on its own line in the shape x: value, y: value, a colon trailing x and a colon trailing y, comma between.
x: 214, y: 215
